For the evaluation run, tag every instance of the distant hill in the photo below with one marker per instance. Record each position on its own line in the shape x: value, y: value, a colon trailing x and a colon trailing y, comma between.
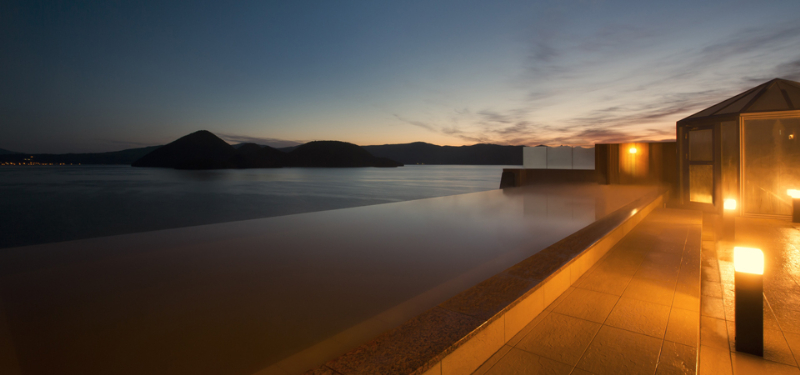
x: 204, y: 150
x: 335, y: 154
x: 117, y: 157
x: 199, y: 150
x: 426, y: 153
x: 251, y: 155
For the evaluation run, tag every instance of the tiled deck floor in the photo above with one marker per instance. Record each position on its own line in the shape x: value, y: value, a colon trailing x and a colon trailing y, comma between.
x: 636, y: 311
x: 778, y: 239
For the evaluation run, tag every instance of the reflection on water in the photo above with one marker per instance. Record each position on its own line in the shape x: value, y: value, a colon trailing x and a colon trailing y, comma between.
x: 52, y: 204
x: 234, y: 298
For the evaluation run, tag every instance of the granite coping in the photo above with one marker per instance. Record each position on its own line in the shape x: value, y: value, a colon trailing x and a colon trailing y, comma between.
x: 422, y: 342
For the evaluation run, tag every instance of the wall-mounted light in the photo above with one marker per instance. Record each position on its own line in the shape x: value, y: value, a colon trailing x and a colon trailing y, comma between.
x: 632, y: 150
x: 748, y: 292
x: 730, y: 204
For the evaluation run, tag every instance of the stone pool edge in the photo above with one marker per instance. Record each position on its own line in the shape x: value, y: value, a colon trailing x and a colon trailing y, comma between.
x: 458, y: 335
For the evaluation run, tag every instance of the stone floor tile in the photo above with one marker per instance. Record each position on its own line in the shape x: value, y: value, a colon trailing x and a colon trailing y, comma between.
x: 677, y: 359
x: 714, y: 361
x: 559, y: 337
x: 668, y: 247
x: 731, y: 326
x: 729, y: 305
x: 712, y: 307
x: 711, y: 289
x: 714, y: 333
x: 521, y: 362
x: 776, y: 349
x: 685, y: 301
x: 661, y: 272
x: 689, y: 277
x: 709, y: 260
x: 622, y: 262
x: 650, y: 290
x: 746, y: 364
x: 492, y: 360
x: 770, y: 321
x: 709, y: 274
x: 683, y: 327
x: 558, y: 300
x: 793, y: 340
x: 616, y: 351
x: 604, y: 281
x: 640, y: 316
x: 726, y: 272
x: 275, y: 370
x: 587, y: 304
x: 789, y: 321
x: 668, y: 260
x: 528, y: 328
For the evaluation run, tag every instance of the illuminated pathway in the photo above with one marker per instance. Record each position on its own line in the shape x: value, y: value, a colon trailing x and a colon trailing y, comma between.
x: 779, y: 240
x: 637, y: 311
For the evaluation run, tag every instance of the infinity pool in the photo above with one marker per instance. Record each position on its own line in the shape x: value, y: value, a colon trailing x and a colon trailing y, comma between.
x: 239, y: 297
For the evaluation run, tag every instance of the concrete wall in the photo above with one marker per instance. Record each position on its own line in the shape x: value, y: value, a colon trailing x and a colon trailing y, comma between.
x: 562, y: 157
x: 650, y: 164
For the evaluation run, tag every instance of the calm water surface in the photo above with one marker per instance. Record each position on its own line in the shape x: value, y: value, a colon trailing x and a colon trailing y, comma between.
x: 272, y: 294
x: 53, y: 204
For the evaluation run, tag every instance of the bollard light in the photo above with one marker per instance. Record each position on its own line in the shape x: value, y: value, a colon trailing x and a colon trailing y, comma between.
x: 729, y: 220
x: 748, y: 264
x: 795, y: 194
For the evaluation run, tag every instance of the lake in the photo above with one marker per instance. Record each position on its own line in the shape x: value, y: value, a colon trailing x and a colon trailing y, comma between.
x: 52, y: 204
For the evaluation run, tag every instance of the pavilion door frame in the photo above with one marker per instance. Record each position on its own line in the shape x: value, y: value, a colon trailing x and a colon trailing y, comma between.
x: 742, y: 150
x: 715, y: 163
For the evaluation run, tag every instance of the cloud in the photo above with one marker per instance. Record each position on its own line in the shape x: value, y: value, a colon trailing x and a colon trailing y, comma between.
x: 126, y: 144
x: 415, y: 123
x: 618, y: 83
x: 272, y: 142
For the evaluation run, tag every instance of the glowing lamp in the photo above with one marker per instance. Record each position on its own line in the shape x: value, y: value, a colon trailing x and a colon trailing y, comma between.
x: 794, y: 193
x: 632, y: 150
x: 730, y: 204
x: 749, y: 290
x: 748, y: 260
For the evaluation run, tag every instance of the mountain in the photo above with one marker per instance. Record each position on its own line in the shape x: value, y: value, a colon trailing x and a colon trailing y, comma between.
x: 204, y: 150
x: 199, y: 150
x: 7, y: 152
x: 426, y: 153
x: 251, y: 155
x: 116, y: 157
x: 335, y: 154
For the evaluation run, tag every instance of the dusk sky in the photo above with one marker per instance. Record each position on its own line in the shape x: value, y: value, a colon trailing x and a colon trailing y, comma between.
x: 81, y: 76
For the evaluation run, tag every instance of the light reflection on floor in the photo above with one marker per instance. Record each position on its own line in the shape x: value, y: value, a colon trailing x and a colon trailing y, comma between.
x: 237, y: 297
